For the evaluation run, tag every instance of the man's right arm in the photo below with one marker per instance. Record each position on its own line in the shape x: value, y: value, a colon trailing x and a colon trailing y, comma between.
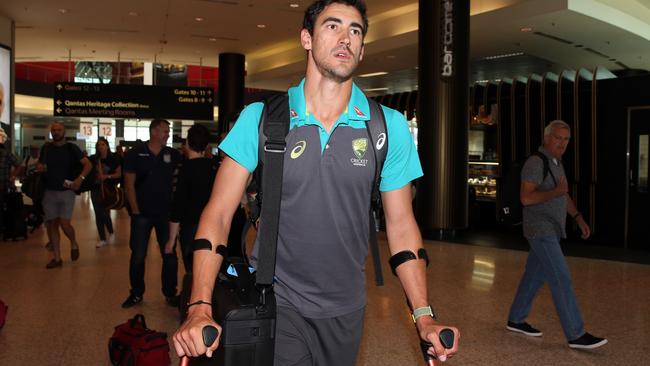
x: 214, y: 225
x: 129, y: 184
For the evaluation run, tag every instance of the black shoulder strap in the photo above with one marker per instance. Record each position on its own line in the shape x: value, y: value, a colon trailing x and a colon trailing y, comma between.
x: 275, y: 127
x: 376, y: 127
x: 547, y: 168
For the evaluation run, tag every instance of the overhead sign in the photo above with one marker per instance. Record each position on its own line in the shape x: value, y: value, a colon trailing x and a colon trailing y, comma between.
x: 132, y: 101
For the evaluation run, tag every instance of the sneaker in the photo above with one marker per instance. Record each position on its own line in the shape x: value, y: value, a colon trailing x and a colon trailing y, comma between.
x: 173, y: 301
x: 74, y: 254
x: 523, y: 328
x: 131, y: 301
x: 111, y: 238
x: 587, y: 341
x: 100, y: 244
x: 54, y: 263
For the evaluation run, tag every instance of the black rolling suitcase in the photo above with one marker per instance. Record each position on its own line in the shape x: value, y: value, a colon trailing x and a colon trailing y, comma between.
x: 15, y: 217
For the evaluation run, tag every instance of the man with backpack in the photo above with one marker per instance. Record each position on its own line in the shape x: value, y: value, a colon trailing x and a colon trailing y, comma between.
x: 60, y: 161
x: 328, y: 175
x: 546, y: 202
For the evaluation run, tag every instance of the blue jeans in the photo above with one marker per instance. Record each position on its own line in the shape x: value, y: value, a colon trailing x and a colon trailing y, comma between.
x: 102, y: 216
x: 141, y: 227
x: 546, y: 263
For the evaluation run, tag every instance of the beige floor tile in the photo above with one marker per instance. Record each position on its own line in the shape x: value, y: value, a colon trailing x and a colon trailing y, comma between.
x: 65, y: 316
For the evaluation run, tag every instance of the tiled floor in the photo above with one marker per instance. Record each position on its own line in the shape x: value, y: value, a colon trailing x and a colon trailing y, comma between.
x: 65, y: 316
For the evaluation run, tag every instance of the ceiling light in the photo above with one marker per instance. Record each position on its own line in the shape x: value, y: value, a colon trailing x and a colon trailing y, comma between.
x: 526, y: 29
x: 391, y: 56
x: 294, y: 5
x: 63, y: 11
x: 133, y: 14
x: 373, y: 74
x: 504, y: 56
x: 212, y: 39
x: 261, y: 26
x: 375, y: 89
x: 198, y: 19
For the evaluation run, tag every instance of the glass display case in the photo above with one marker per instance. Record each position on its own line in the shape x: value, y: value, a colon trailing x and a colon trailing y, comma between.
x: 482, y: 177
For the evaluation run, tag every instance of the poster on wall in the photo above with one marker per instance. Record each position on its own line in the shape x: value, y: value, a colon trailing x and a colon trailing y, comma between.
x: 5, y: 84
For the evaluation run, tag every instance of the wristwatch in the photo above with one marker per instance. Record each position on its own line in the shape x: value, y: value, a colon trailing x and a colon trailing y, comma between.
x: 424, y: 311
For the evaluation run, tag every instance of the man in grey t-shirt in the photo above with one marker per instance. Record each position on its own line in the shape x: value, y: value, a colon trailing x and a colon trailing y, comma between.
x: 546, y: 202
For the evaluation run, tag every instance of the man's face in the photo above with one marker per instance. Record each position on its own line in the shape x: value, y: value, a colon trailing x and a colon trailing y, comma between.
x: 557, y: 141
x: 57, y: 131
x: 160, y: 134
x: 337, y: 43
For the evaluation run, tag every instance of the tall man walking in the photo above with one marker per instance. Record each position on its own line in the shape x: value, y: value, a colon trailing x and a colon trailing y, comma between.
x: 323, y: 231
x: 148, y: 173
x: 546, y: 203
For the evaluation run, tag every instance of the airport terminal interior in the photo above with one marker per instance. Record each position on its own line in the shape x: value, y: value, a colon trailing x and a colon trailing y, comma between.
x: 476, y: 80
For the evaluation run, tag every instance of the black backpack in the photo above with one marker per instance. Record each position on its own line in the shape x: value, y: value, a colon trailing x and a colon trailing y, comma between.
x: 510, y: 212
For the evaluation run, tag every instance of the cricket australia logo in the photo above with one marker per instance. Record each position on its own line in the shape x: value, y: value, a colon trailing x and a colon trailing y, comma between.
x: 359, y: 146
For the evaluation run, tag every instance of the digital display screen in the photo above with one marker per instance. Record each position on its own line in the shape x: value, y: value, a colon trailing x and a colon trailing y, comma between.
x: 5, y: 84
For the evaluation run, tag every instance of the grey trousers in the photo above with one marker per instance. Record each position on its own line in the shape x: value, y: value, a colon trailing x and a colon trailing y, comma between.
x: 302, y: 341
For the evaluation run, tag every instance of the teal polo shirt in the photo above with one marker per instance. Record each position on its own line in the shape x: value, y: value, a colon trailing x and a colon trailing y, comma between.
x: 327, y: 184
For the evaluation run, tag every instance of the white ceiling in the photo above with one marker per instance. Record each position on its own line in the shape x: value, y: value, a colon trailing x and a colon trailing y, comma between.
x: 166, y: 31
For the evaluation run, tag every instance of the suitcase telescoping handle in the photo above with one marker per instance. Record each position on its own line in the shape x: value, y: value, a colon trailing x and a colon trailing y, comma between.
x: 447, y: 340
x: 210, y: 334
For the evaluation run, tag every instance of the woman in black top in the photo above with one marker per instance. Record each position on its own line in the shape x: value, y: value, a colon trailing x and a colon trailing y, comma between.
x: 192, y: 193
x: 107, y: 167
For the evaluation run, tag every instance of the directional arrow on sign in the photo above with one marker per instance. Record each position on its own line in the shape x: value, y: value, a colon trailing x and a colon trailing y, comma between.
x: 210, y: 92
x: 59, y: 86
x: 58, y: 102
x: 58, y: 110
x: 210, y: 100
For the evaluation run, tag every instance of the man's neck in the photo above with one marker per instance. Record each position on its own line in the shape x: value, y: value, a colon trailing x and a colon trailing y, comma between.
x: 326, y: 99
x: 154, y: 146
x: 59, y: 143
x: 194, y: 155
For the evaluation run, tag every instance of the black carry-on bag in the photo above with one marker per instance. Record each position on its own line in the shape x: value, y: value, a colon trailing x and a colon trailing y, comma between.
x: 243, y: 303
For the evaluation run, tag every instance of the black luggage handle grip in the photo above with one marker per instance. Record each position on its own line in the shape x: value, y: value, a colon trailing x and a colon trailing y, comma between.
x: 447, y: 340
x: 210, y: 335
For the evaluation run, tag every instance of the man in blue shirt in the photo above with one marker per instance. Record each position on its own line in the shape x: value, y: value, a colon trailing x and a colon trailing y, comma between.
x: 148, y: 172
x: 327, y: 183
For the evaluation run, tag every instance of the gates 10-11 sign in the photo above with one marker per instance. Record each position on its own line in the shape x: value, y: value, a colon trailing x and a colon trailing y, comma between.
x: 133, y: 101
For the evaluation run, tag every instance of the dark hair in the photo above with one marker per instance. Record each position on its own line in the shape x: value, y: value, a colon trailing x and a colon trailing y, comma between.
x: 198, y: 137
x: 317, y: 7
x: 157, y: 122
x: 102, y: 139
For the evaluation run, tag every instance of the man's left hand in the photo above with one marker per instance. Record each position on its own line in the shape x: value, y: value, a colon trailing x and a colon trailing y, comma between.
x: 584, y: 228
x: 429, y: 331
x: 76, y: 184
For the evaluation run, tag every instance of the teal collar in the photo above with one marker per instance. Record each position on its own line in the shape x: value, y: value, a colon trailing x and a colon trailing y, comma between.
x: 357, y: 109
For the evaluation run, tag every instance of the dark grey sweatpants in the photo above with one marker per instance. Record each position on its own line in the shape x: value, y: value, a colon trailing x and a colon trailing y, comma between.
x: 302, y: 341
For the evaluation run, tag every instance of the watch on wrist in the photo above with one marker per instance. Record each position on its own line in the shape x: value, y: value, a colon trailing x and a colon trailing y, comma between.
x: 424, y: 311
x: 82, y: 177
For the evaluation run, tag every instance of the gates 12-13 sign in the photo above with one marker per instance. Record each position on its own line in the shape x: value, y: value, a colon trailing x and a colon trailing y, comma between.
x: 133, y: 101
